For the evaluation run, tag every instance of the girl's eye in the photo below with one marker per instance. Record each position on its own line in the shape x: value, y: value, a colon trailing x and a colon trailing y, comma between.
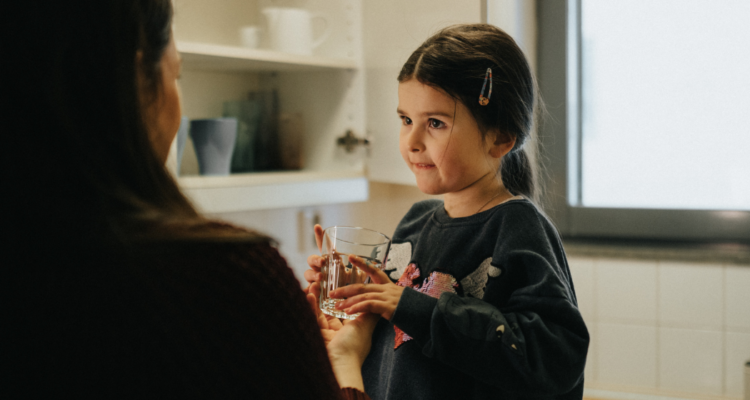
x: 436, y: 124
x: 406, y: 120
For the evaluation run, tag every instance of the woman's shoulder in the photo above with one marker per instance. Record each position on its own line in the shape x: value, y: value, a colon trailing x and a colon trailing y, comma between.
x: 210, y: 246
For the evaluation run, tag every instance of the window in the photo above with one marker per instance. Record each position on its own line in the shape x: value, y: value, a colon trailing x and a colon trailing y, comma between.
x: 646, y: 135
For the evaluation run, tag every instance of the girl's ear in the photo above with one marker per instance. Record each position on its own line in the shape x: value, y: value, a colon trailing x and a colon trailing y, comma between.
x: 502, y: 144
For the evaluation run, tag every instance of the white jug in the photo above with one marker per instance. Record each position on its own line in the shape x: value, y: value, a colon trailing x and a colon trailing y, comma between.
x: 290, y: 30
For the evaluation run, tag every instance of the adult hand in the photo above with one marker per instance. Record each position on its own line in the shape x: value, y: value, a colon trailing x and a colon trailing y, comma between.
x: 315, y: 262
x: 381, y: 298
x: 328, y: 325
x: 348, y: 344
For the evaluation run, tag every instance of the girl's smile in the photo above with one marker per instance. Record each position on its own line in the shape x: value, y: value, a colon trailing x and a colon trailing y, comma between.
x: 424, y: 166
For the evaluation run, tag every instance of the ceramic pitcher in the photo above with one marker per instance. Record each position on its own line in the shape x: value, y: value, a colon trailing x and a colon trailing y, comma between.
x: 290, y: 30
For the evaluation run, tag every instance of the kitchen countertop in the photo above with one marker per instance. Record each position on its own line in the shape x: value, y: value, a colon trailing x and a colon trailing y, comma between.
x: 731, y: 253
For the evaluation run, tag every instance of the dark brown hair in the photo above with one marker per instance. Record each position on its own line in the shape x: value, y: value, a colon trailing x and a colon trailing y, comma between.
x: 455, y: 60
x: 79, y: 162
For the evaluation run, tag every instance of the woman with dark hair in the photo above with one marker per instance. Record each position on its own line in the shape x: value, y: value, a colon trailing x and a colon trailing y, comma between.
x: 116, y: 286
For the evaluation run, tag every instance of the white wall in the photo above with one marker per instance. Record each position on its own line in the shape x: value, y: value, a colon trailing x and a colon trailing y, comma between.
x: 665, y: 328
x: 518, y: 19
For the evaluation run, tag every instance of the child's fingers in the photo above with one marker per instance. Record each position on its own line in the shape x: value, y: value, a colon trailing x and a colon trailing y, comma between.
x: 314, y: 289
x: 352, y: 290
x: 373, y: 307
x: 312, y: 276
x: 375, y: 273
x: 312, y: 302
x: 315, y: 262
x: 376, y: 298
x: 378, y: 276
x: 351, y: 301
x: 319, y: 236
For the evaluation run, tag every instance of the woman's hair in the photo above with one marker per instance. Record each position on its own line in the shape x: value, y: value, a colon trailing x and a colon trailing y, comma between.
x: 80, y: 165
x: 455, y: 60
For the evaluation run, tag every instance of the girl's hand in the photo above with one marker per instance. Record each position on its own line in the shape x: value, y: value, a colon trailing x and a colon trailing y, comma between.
x: 315, y: 262
x: 382, y: 297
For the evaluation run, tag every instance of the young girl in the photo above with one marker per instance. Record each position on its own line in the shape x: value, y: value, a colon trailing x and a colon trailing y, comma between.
x: 476, y: 298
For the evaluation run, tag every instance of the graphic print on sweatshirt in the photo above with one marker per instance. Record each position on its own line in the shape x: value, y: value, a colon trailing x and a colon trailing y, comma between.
x: 434, y: 285
x: 474, y: 284
x: 398, y: 259
x: 398, y: 269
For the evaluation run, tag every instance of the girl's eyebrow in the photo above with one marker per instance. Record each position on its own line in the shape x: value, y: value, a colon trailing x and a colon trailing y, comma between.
x: 439, y: 113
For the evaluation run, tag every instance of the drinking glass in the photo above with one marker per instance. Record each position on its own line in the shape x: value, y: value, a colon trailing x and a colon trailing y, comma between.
x: 338, y: 243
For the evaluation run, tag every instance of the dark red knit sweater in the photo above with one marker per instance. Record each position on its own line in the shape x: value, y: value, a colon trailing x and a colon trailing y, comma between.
x: 200, y: 320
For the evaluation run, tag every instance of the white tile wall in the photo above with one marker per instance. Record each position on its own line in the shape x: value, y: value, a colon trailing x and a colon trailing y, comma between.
x: 665, y: 327
x: 626, y: 355
x: 626, y: 291
x: 737, y: 297
x: 690, y: 360
x: 691, y: 295
x: 736, y: 353
x: 590, y: 374
x: 582, y: 270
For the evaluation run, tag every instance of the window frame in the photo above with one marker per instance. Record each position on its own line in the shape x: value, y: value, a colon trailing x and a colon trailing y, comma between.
x: 560, y: 148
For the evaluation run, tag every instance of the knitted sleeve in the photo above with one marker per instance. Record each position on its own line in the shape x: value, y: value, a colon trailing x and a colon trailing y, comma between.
x: 189, y: 319
x: 354, y: 394
x: 250, y: 329
x: 286, y: 352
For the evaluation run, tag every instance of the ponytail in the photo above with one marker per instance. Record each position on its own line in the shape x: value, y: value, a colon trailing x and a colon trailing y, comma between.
x: 518, y: 174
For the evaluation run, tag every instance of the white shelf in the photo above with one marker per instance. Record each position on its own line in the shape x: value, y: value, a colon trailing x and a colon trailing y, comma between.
x: 261, y: 191
x: 213, y: 57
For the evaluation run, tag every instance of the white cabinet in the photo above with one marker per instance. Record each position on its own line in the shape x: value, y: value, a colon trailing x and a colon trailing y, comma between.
x: 349, y: 83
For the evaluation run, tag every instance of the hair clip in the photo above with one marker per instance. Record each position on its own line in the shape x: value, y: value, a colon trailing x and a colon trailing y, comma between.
x: 483, y: 101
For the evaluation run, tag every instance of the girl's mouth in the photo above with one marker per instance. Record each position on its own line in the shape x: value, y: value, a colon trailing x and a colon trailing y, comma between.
x: 424, y: 166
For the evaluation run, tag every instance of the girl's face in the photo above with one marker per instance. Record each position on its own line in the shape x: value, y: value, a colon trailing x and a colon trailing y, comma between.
x: 164, y: 114
x: 441, y: 142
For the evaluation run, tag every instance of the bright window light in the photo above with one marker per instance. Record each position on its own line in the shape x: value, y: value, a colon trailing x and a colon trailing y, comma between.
x: 665, y: 104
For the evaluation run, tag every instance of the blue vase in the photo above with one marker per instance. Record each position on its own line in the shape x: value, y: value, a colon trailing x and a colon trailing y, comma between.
x: 214, y: 140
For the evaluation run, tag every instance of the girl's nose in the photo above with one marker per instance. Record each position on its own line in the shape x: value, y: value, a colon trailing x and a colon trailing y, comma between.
x: 415, y: 139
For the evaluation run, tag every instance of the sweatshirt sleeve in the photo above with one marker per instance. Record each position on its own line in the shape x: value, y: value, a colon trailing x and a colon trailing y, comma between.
x: 526, y: 336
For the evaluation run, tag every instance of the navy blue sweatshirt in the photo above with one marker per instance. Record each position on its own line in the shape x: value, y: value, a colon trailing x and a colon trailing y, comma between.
x: 489, y: 310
